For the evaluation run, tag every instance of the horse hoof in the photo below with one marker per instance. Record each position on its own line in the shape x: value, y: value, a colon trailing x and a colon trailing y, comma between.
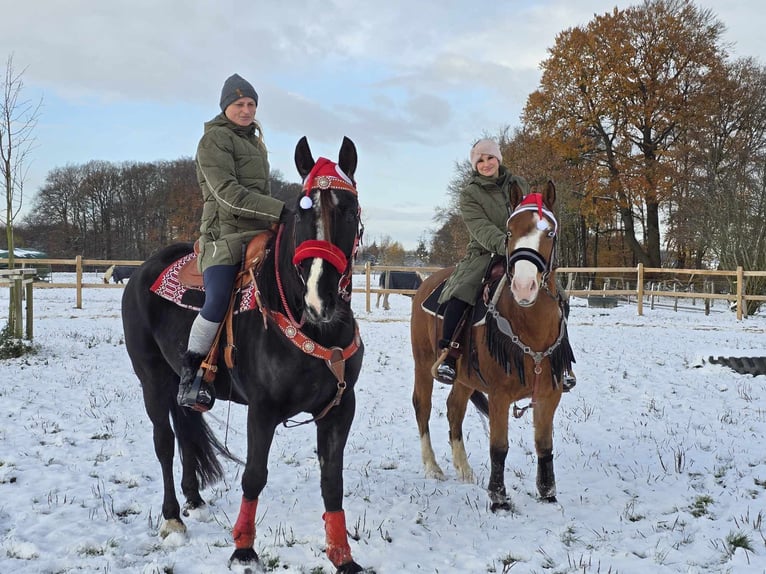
x: 352, y: 568
x: 192, y: 505
x: 466, y: 477
x: 435, y: 472
x: 550, y: 498
x: 500, y: 506
x: 171, y: 526
x: 245, y: 560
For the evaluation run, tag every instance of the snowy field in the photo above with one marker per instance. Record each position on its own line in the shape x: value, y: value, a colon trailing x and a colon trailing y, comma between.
x: 660, y: 459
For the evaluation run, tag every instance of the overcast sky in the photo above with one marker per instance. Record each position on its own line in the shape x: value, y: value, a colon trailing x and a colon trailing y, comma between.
x: 413, y: 84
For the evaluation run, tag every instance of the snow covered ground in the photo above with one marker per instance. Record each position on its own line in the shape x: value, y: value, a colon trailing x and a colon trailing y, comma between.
x: 660, y: 459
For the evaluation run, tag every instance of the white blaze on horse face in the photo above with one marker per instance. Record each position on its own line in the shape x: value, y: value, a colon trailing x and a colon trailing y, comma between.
x: 312, y: 298
x: 525, y: 284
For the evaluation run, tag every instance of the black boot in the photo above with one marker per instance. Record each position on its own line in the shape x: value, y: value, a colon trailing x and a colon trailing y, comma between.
x: 193, y: 391
x: 446, y: 371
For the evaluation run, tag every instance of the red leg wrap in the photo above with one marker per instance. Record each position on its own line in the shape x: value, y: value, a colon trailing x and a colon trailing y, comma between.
x: 338, y: 550
x: 244, y: 528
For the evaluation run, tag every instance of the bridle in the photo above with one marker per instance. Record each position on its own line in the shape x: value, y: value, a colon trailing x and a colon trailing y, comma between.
x: 533, y: 202
x: 324, y: 176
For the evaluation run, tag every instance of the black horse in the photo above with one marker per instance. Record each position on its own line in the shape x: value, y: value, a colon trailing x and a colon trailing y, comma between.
x: 298, y: 352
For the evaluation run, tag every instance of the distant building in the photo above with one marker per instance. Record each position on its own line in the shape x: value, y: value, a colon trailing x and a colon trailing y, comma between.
x: 22, y: 257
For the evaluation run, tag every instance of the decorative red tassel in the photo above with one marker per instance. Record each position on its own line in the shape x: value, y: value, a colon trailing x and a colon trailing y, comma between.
x: 244, y: 528
x: 338, y: 550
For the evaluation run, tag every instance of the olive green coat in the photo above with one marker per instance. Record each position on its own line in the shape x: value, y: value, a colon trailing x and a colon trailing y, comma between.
x: 485, y: 207
x: 233, y: 173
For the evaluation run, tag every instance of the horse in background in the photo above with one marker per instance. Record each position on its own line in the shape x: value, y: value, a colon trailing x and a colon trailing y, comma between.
x: 118, y: 273
x: 397, y: 280
x: 516, y: 347
x: 297, y: 351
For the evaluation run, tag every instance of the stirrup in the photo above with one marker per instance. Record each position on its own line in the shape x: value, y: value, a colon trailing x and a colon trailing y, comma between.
x: 198, y: 395
x: 568, y: 382
x: 445, y: 373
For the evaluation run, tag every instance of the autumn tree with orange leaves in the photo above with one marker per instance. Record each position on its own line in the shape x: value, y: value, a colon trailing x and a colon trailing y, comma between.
x: 615, y: 98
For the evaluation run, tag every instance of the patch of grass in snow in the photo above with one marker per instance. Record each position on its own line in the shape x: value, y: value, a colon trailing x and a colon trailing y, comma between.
x: 90, y: 549
x: 630, y: 513
x: 736, y: 540
x: 700, y: 505
x: 569, y: 537
x: 7, y: 476
x: 585, y: 565
x: 506, y: 563
x: 733, y: 541
x: 756, y: 522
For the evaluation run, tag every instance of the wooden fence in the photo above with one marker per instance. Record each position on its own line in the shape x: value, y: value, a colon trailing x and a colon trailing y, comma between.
x: 642, y: 284
x: 650, y: 284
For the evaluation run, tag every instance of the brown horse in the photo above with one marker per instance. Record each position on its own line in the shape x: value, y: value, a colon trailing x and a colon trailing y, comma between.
x: 515, y: 348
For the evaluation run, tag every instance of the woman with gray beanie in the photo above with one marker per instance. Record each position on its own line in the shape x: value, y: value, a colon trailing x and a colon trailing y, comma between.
x: 233, y: 172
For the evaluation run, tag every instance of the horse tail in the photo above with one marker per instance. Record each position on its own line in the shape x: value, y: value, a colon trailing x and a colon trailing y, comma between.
x: 481, y: 402
x: 195, y: 435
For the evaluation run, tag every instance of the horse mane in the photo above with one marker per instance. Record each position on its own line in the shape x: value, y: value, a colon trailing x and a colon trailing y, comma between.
x: 510, y: 356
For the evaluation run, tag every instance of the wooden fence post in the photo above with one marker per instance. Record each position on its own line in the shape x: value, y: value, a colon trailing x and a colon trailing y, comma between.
x: 740, y: 290
x: 16, y: 287
x: 640, y: 289
x: 30, y: 308
x: 367, y: 269
x: 78, y: 281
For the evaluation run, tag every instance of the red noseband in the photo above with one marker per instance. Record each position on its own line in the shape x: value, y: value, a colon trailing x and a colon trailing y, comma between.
x: 322, y: 249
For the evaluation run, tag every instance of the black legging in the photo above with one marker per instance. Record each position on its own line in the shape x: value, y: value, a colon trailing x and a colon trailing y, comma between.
x: 453, y: 312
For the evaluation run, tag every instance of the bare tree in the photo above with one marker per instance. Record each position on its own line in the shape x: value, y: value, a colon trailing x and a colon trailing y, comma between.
x: 18, y: 119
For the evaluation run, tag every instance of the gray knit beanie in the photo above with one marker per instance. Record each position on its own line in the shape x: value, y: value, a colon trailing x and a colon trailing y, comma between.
x: 236, y: 87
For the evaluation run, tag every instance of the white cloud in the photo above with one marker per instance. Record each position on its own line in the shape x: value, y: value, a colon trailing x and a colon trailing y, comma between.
x: 412, y: 85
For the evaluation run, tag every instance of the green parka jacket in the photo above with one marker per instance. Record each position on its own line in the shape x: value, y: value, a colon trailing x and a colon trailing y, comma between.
x: 484, y: 205
x: 233, y: 173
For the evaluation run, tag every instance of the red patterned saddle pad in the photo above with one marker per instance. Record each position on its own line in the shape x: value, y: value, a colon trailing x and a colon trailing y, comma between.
x: 169, y: 286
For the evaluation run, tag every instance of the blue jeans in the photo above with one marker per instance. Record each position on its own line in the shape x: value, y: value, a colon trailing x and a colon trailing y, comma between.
x: 219, y: 282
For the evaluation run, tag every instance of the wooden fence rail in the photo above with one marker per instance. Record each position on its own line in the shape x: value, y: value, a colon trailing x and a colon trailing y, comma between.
x: 645, y: 284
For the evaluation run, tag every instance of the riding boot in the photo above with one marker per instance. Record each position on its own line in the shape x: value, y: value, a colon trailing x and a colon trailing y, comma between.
x: 445, y: 368
x: 193, y: 391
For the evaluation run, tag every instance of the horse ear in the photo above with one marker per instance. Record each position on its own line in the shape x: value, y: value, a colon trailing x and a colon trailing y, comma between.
x: 517, y: 194
x: 549, y: 195
x: 347, y: 157
x: 303, y: 158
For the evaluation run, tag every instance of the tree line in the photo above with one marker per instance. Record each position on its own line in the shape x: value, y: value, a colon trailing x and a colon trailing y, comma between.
x: 654, y: 135
x: 104, y: 210
x: 656, y: 139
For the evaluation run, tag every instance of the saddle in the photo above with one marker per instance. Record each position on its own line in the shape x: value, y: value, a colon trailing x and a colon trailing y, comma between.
x: 478, y: 311
x: 181, y: 282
